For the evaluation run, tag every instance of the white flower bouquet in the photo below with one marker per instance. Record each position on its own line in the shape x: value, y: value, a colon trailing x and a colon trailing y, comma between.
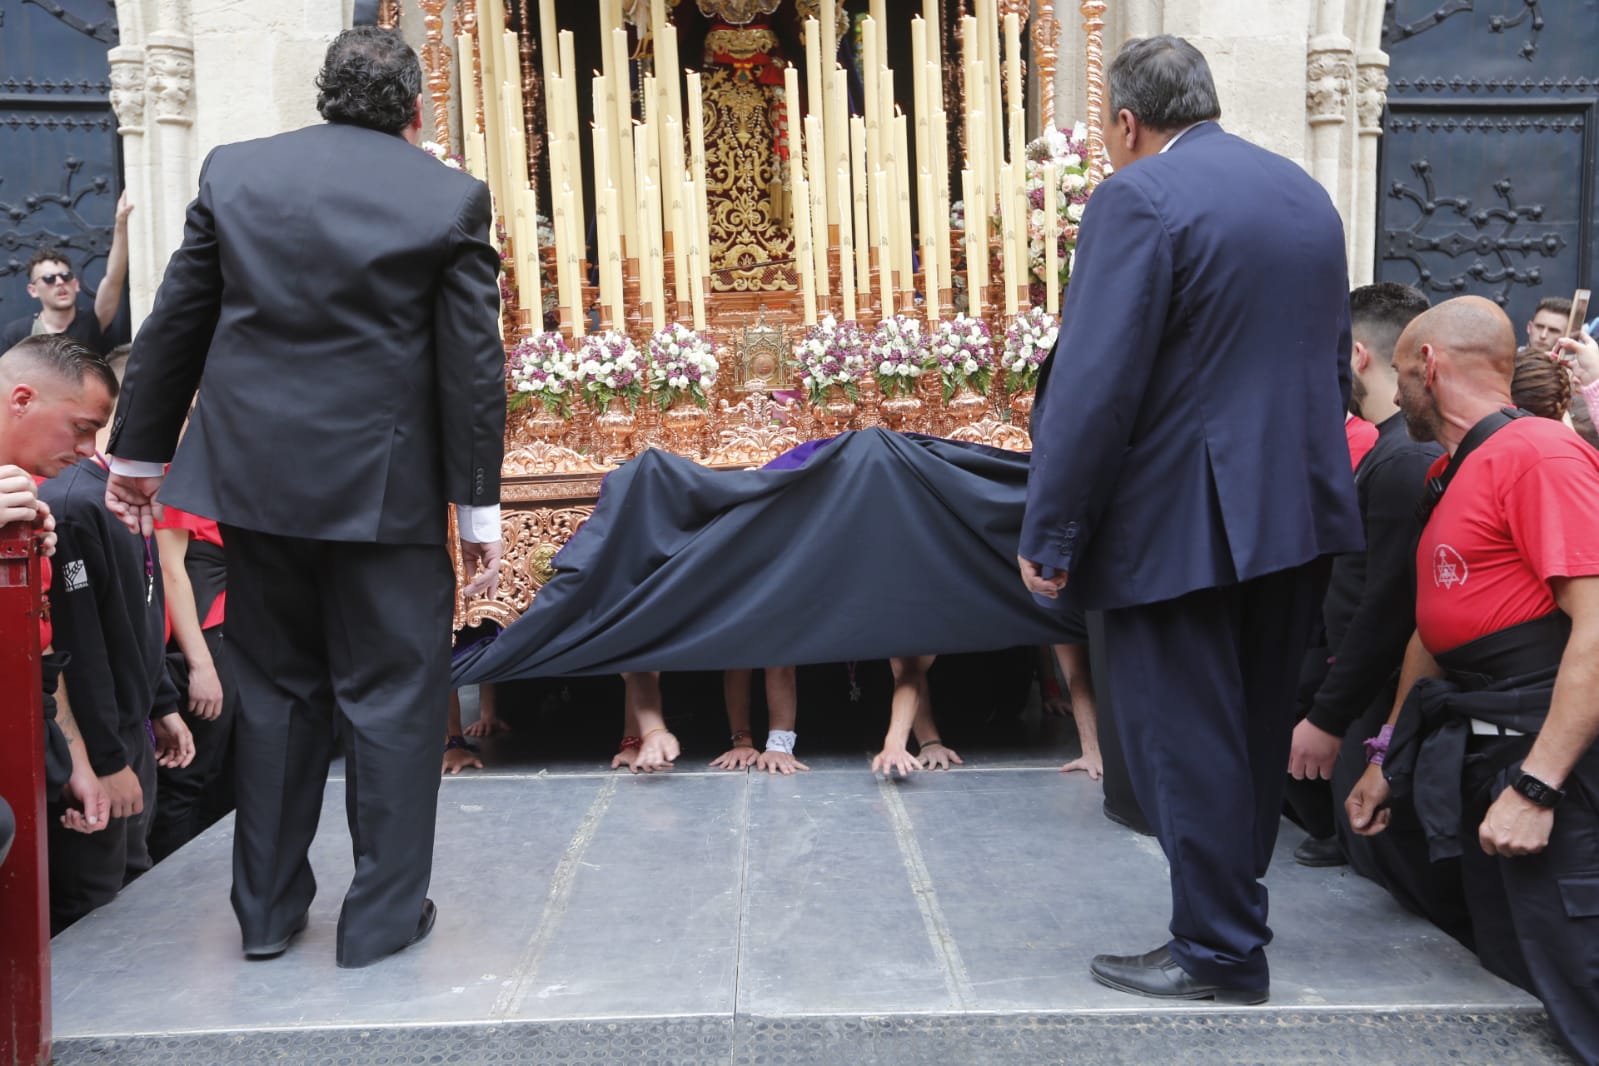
x: 542, y: 367
x: 609, y: 366
x: 899, y: 355
x: 965, y: 354
x: 833, y: 353
x: 1028, y: 342
x: 681, y: 363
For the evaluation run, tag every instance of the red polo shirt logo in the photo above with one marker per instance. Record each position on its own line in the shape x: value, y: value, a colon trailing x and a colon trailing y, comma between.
x: 1448, y: 567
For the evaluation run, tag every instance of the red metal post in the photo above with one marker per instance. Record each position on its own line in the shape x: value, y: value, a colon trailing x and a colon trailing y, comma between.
x: 24, y: 884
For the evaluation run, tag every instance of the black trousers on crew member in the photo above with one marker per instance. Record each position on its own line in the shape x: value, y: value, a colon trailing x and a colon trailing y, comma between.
x: 1536, y: 917
x: 87, y: 870
x: 1204, y: 686
x: 194, y: 796
x: 1397, y: 858
x: 333, y: 642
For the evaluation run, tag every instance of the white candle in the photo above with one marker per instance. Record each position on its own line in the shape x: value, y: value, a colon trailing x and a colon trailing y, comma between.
x: 1007, y: 204
x: 930, y: 277
x: 885, y: 254
x: 696, y: 255
x: 862, y: 235
x: 816, y: 167
x: 846, y: 251
x: 802, y: 248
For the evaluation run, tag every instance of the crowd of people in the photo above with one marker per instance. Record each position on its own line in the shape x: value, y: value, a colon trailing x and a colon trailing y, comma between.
x: 1432, y: 623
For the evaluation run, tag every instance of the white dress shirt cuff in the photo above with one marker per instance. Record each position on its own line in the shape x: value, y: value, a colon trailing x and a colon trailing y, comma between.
x: 137, y: 468
x: 479, y: 525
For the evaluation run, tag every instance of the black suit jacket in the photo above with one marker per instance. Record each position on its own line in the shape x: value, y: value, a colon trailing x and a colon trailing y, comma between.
x: 336, y: 301
x: 1189, y: 432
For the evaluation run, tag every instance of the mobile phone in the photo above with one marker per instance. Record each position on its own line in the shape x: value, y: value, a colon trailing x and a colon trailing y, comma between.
x: 1579, y: 312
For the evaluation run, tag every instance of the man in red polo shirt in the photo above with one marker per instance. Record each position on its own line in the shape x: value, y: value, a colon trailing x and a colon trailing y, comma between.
x: 1493, y: 736
x: 56, y: 398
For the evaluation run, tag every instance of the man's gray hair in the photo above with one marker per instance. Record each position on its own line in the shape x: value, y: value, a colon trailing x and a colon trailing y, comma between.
x: 1164, y: 81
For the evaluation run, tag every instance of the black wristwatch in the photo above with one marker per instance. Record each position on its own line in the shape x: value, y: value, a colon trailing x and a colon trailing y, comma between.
x: 1541, y: 794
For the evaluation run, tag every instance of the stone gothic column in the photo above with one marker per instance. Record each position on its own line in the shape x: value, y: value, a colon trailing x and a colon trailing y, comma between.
x: 128, y: 79
x: 1329, y: 82
x: 169, y: 86
x: 1371, y: 96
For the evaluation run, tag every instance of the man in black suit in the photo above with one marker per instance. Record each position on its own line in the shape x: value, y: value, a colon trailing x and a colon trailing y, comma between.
x: 1189, y: 478
x: 337, y: 289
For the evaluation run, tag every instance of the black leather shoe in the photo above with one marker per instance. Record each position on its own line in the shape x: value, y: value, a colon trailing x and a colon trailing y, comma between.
x: 1320, y: 852
x: 1127, y: 821
x: 278, y: 947
x: 424, y: 926
x: 1158, y: 976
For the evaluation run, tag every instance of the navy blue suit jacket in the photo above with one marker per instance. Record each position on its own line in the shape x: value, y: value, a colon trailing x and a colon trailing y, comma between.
x: 1189, y: 430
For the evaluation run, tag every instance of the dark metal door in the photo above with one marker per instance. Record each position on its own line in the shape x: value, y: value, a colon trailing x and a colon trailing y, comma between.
x: 60, y: 157
x: 1487, y: 173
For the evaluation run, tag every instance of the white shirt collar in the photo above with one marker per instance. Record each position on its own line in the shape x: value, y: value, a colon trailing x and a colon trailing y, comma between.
x: 1167, y: 146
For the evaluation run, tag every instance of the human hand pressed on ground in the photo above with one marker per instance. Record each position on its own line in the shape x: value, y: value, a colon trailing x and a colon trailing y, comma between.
x: 658, y: 752
x: 895, y: 759
x: 936, y: 755
x: 738, y: 757
x: 1089, y: 762
x: 779, y: 762
x: 488, y: 727
x: 458, y: 759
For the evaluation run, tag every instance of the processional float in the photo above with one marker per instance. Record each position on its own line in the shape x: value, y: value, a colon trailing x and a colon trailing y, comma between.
x: 754, y: 265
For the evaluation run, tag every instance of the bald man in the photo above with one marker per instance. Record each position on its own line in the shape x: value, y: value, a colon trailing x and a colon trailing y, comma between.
x: 1492, y: 734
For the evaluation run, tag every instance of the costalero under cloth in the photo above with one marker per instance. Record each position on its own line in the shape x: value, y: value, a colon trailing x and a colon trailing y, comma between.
x: 880, y: 544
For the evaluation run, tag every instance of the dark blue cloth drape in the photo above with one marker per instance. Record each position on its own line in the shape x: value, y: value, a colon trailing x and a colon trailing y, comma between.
x: 879, y: 545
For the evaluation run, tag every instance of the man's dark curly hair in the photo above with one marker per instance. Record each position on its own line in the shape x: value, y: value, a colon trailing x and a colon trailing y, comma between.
x: 370, y: 78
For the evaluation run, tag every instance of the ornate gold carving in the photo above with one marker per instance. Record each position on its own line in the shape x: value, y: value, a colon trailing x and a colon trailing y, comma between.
x: 737, y: 12
x: 389, y: 14
x: 740, y: 44
x: 995, y: 434
x: 763, y: 358
x: 435, y: 67
x: 541, y: 459
x: 750, y: 246
x: 757, y: 435
x: 1094, y: 26
x: 532, y: 537
x: 541, y: 491
x: 1046, y: 36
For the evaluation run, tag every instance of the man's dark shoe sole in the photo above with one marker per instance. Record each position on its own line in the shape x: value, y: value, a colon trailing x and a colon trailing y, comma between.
x: 261, y: 952
x: 424, y: 926
x: 1157, y: 976
x: 1320, y: 853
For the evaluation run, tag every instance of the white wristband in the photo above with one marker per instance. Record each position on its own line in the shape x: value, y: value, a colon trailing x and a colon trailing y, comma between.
x: 781, y: 740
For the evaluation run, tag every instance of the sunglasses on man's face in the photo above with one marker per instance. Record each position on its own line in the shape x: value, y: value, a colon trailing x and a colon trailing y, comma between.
x: 52, y: 279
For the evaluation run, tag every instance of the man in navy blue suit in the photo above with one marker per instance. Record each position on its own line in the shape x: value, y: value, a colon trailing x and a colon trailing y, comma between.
x: 1190, y: 478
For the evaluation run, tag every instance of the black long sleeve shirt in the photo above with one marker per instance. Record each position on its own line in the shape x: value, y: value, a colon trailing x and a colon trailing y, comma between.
x: 1371, y: 597
x: 107, y: 608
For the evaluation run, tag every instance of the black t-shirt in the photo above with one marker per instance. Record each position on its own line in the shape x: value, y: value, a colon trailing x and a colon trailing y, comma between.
x: 84, y: 328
